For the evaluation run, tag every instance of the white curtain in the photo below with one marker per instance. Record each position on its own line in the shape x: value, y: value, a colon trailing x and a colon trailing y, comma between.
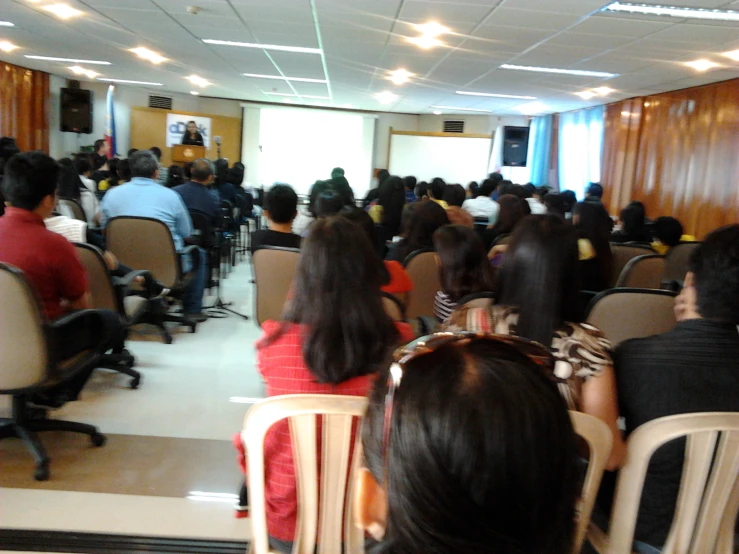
x: 580, y: 149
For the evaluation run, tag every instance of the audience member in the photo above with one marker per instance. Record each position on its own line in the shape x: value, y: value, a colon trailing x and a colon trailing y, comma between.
x: 454, y: 195
x: 539, y: 299
x: 633, y: 225
x: 372, y: 195
x: 70, y: 186
x: 457, y: 216
x: 594, y: 228
x: 113, y: 179
x: 340, y: 184
x: 124, y: 171
x: 668, y: 232
x: 221, y: 185
x: 463, y: 268
x: 281, y: 207
x: 102, y: 151
x: 693, y: 368
x: 509, y: 214
x: 422, y: 191
x: 594, y: 193
x: 436, y: 190
x: 175, y: 176
x: 327, y: 203
x: 506, y: 187
x: 131, y: 152
x: 333, y: 339
x: 84, y: 170
x: 473, y: 190
x: 570, y: 200
x: 426, y: 218
x: 192, y: 136
x: 8, y: 149
x: 556, y: 204
x: 186, y: 170
x: 196, y: 193
x: 468, y: 448
x: 410, y: 183
x: 389, y: 208
x: 100, y: 170
x: 483, y: 207
x: 536, y: 206
x: 162, y: 170
x: 51, y: 264
x: 144, y: 197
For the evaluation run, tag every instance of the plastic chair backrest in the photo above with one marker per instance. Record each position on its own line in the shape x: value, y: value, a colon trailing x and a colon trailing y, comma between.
x: 102, y: 290
x: 71, y: 208
x: 145, y: 243
x: 622, y: 253
x: 600, y: 441
x: 393, y: 307
x: 708, y: 500
x: 24, y: 356
x: 677, y: 261
x: 424, y: 273
x: 274, y: 271
x: 336, y: 526
x: 643, y: 272
x: 624, y: 314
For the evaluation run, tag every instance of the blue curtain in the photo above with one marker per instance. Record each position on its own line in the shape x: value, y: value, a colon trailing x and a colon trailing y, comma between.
x: 540, y: 145
x: 580, y: 149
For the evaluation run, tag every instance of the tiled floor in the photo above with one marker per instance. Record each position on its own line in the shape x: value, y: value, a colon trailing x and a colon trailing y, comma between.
x: 166, y: 440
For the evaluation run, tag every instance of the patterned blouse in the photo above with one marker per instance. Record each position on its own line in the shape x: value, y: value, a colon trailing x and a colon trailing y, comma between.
x: 581, y: 350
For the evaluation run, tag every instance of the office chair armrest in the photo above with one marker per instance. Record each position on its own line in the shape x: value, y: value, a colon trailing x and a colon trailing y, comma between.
x: 123, y: 284
x: 90, y: 321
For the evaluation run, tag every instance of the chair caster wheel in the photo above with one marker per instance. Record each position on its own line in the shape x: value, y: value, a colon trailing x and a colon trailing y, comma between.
x: 98, y: 439
x: 42, y: 472
x: 168, y: 340
x: 134, y: 383
x: 192, y: 328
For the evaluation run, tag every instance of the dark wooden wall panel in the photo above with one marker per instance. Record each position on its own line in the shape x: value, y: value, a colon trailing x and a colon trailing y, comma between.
x: 24, y: 106
x: 678, y: 152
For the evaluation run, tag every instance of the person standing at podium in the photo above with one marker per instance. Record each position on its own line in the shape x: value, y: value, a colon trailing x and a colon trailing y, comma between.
x: 192, y: 137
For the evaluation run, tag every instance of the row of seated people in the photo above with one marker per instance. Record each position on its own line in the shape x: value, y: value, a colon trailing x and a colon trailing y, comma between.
x: 334, y: 337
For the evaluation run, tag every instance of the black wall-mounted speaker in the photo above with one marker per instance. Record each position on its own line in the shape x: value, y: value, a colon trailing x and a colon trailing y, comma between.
x: 76, y: 111
x: 515, y: 146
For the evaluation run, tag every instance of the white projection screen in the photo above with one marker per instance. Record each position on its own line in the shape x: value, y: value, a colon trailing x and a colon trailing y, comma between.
x: 300, y: 146
x: 454, y: 159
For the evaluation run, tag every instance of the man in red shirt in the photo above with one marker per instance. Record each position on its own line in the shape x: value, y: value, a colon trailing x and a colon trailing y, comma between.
x: 50, y: 263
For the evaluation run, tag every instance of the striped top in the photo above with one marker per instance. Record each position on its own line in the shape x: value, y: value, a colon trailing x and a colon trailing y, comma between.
x: 443, y: 306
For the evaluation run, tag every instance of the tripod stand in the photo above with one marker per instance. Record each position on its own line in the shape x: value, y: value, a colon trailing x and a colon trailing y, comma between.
x: 221, y: 309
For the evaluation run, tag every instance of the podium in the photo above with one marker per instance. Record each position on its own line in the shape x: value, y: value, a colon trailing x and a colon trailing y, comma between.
x: 183, y: 153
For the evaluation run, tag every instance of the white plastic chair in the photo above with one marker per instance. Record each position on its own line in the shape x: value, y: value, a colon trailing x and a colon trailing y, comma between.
x: 600, y: 441
x: 336, y: 506
x: 708, y: 500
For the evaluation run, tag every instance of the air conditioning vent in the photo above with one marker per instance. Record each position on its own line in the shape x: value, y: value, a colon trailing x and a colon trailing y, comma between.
x: 454, y: 126
x: 161, y: 102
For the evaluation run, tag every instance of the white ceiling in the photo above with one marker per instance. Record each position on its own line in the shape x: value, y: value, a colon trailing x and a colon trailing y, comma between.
x: 364, y: 39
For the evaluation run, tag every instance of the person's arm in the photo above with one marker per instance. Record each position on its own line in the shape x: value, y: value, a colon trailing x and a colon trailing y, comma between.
x: 599, y: 399
x: 183, y: 222
x: 71, y: 276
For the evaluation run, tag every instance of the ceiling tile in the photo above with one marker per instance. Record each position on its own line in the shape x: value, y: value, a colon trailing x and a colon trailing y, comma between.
x: 621, y: 27
x: 531, y: 19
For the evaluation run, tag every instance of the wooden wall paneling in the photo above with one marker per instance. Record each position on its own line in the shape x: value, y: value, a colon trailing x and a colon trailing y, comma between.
x: 24, y: 106
x: 148, y: 128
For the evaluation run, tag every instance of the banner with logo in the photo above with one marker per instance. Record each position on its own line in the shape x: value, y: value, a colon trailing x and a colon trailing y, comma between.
x: 177, y: 126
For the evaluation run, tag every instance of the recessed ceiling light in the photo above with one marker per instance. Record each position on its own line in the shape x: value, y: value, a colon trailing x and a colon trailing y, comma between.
x: 702, y: 65
x: 6, y: 24
x: 72, y: 60
x: 6, y: 46
x: 386, y: 97
x: 62, y: 11
x: 674, y: 11
x: 533, y: 108
x: 425, y: 41
x: 492, y: 95
x: 579, y: 72
x: 77, y: 70
x: 603, y: 91
x: 733, y: 55
x: 199, y: 81
x: 264, y: 46
x: 453, y: 109
x: 194, y: 93
x: 586, y: 94
x: 150, y: 55
x: 437, y: 112
x: 281, y: 78
x: 125, y: 81
x: 432, y: 29
x: 400, y: 76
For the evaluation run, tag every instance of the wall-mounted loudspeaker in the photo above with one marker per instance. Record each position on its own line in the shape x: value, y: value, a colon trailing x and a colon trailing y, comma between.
x: 515, y: 146
x: 76, y: 111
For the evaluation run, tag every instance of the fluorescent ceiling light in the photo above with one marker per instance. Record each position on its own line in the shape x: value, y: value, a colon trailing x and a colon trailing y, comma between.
x: 298, y: 95
x: 674, y: 11
x: 733, y: 55
x: 6, y: 24
x: 579, y: 72
x: 386, y: 97
x: 194, y: 93
x: 437, y: 112
x: 6, y: 46
x: 212, y: 497
x: 432, y: 29
x: 199, y: 81
x: 492, y: 95
x: 146, y: 54
x: 425, y: 41
x: 453, y: 109
x: 89, y: 73
x: 533, y: 108
x: 264, y: 46
x: 603, y: 91
x: 281, y: 78
x: 125, y: 81
x: 62, y: 11
x: 702, y: 65
x: 586, y: 94
x: 72, y: 60
x: 400, y: 76
x: 244, y: 400
x: 289, y: 101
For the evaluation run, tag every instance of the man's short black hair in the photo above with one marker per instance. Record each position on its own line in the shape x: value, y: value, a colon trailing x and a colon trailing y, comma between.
x: 715, y: 266
x: 595, y: 190
x: 410, y: 183
x: 436, y: 188
x: 156, y: 151
x: 99, y: 143
x: 488, y: 187
x: 83, y: 165
x: 668, y: 230
x: 281, y: 202
x: 131, y: 152
x: 29, y: 178
x: 143, y: 164
x: 201, y: 170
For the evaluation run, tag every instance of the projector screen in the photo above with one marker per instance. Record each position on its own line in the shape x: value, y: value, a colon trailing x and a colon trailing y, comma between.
x: 299, y: 146
x: 454, y: 159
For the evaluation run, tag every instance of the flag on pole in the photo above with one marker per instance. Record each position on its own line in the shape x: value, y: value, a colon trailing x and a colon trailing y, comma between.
x: 110, y: 123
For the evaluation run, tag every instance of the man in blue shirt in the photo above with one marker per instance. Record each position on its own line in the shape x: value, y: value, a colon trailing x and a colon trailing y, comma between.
x: 144, y: 197
x: 197, y: 194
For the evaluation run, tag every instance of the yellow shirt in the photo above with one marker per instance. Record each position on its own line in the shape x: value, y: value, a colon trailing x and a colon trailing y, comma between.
x: 663, y: 249
x: 440, y: 203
